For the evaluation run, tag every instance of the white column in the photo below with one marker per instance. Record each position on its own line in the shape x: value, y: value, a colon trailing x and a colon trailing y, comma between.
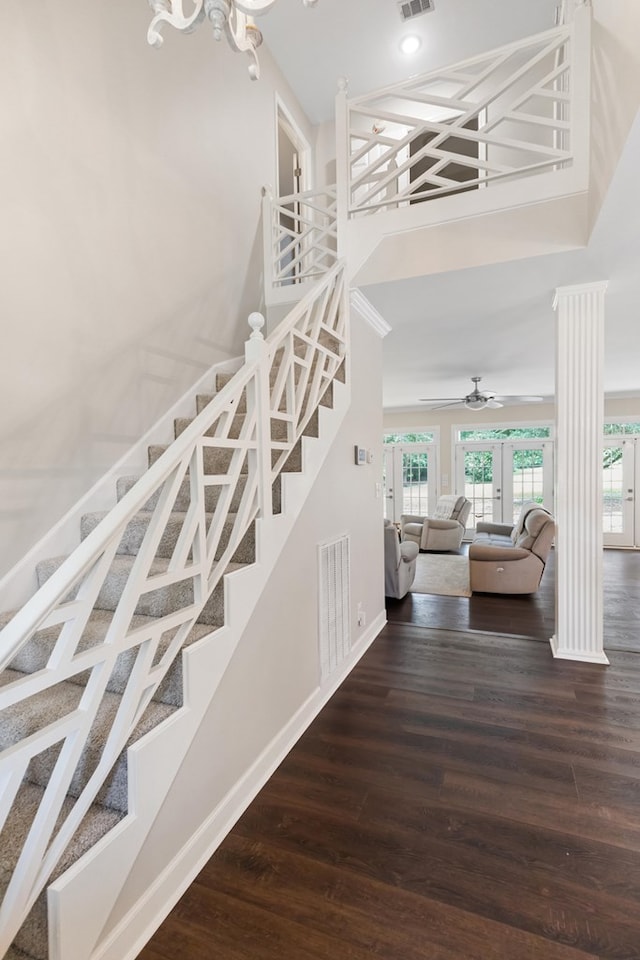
x: 579, y: 429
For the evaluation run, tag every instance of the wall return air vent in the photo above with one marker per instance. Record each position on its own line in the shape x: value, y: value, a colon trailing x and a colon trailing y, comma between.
x: 414, y: 8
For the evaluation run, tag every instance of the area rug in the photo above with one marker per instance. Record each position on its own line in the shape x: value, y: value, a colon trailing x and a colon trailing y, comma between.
x: 444, y: 575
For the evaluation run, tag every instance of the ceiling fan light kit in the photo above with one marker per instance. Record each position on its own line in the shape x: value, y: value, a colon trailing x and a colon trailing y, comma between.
x: 478, y: 399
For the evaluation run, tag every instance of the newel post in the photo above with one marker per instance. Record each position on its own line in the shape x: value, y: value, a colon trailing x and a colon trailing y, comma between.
x: 268, y: 242
x: 342, y: 167
x: 259, y: 404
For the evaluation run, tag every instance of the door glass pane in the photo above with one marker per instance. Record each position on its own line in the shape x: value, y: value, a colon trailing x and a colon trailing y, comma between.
x: 527, y: 478
x: 387, y: 475
x: 478, y: 484
x: 612, y: 490
x: 415, y: 483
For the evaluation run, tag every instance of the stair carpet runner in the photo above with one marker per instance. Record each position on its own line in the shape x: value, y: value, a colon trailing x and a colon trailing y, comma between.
x: 18, y: 722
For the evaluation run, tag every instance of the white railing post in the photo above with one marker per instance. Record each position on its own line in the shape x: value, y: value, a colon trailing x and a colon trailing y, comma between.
x: 343, y: 172
x: 259, y: 405
x: 581, y: 90
x: 267, y: 241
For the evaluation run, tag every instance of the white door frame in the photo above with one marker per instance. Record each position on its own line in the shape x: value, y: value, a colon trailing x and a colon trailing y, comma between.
x: 393, y: 454
x: 495, y: 448
x: 628, y: 537
x: 503, y: 451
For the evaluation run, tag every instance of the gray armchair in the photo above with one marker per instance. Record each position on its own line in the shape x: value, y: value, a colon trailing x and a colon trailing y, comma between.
x: 399, y: 563
x: 443, y: 531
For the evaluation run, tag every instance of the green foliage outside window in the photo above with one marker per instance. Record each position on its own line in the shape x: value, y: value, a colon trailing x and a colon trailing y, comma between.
x: 408, y: 438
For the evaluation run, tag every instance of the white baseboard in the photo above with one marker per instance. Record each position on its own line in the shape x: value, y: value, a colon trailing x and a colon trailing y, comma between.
x: 146, y: 915
x: 562, y: 653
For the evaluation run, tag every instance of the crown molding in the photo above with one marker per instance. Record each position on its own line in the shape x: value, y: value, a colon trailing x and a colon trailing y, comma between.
x: 369, y: 313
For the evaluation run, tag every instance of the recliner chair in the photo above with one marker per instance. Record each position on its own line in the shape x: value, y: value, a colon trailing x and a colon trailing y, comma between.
x: 399, y: 563
x: 443, y: 531
x: 511, y: 559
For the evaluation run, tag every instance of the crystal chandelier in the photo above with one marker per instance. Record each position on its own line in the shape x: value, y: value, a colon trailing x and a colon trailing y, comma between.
x: 231, y: 17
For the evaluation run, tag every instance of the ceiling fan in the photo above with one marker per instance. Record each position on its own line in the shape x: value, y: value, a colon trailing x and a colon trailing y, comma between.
x: 478, y: 399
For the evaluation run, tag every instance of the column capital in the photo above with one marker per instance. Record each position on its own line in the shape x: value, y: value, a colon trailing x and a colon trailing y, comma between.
x: 576, y: 290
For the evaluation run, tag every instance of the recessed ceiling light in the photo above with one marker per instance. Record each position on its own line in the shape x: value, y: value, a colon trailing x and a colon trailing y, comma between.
x: 410, y: 44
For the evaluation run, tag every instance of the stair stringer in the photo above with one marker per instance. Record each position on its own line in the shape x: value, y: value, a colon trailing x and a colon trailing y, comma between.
x: 80, y: 901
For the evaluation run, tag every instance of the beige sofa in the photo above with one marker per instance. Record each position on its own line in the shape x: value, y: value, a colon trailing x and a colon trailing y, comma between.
x: 444, y: 532
x: 511, y: 559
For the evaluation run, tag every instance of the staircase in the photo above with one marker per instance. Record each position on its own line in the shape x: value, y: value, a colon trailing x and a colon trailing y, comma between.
x: 100, y: 656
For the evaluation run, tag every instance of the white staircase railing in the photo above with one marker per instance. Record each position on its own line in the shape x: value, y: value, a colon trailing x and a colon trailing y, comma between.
x: 300, y: 238
x: 280, y: 386
x: 499, y: 116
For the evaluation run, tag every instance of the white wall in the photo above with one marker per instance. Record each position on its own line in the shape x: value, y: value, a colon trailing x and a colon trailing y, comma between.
x: 275, y: 668
x: 130, y: 238
x: 615, y: 89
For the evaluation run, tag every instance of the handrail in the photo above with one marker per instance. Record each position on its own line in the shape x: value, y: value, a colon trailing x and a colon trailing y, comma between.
x: 282, y: 381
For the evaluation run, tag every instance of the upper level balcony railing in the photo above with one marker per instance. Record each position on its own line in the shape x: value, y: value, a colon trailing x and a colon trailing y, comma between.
x: 300, y: 240
x: 507, y: 129
x: 499, y: 116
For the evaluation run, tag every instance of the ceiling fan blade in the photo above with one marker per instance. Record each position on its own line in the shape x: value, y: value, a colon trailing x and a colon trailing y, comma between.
x: 451, y: 403
x: 519, y: 399
x: 441, y: 399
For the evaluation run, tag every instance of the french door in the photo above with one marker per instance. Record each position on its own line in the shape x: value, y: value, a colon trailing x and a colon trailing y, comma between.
x: 409, y: 475
x: 479, y: 478
x: 619, y: 466
x: 499, y: 477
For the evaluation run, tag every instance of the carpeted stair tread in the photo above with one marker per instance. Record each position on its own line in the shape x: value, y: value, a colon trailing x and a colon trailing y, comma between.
x: 157, y: 603
x: 183, y: 498
x: 14, y: 954
x: 29, y: 716
x: 278, y: 427
x: 211, y: 494
x: 99, y: 820
x: 137, y: 528
x: 35, y: 654
x: 218, y: 460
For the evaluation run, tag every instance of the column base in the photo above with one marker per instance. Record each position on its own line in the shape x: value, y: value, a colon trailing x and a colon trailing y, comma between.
x: 561, y: 653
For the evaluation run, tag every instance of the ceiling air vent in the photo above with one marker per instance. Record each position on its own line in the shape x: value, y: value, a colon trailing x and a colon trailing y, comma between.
x: 414, y: 8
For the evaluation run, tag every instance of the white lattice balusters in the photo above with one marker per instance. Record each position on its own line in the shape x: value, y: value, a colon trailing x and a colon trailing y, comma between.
x: 492, y: 118
x: 113, y: 617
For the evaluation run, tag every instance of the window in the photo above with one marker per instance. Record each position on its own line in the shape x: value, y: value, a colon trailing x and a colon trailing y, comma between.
x: 506, y: 433
x: 621, y: 429
x: 408, y: 438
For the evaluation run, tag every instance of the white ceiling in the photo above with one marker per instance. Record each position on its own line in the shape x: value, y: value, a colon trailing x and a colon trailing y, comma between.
x: 497, y: 321
x: 360, y: 40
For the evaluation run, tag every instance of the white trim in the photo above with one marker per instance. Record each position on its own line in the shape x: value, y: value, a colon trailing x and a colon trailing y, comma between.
x: 368, y: 312
x: 136, y: 928
x: 582, y: 657
x: 293, y: 131
x: 599, y: 286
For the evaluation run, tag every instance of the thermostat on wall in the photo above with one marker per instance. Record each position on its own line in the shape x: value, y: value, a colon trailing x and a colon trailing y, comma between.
x: 360, y: 455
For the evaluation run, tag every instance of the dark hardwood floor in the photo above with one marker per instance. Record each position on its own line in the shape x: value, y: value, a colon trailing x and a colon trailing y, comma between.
x: 533, y: 616
x: 461, y: 797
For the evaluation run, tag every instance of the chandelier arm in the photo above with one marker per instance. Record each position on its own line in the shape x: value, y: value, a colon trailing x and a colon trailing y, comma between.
x: 244, y: 37
x: 173, y: 14
x: 232, y: 17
